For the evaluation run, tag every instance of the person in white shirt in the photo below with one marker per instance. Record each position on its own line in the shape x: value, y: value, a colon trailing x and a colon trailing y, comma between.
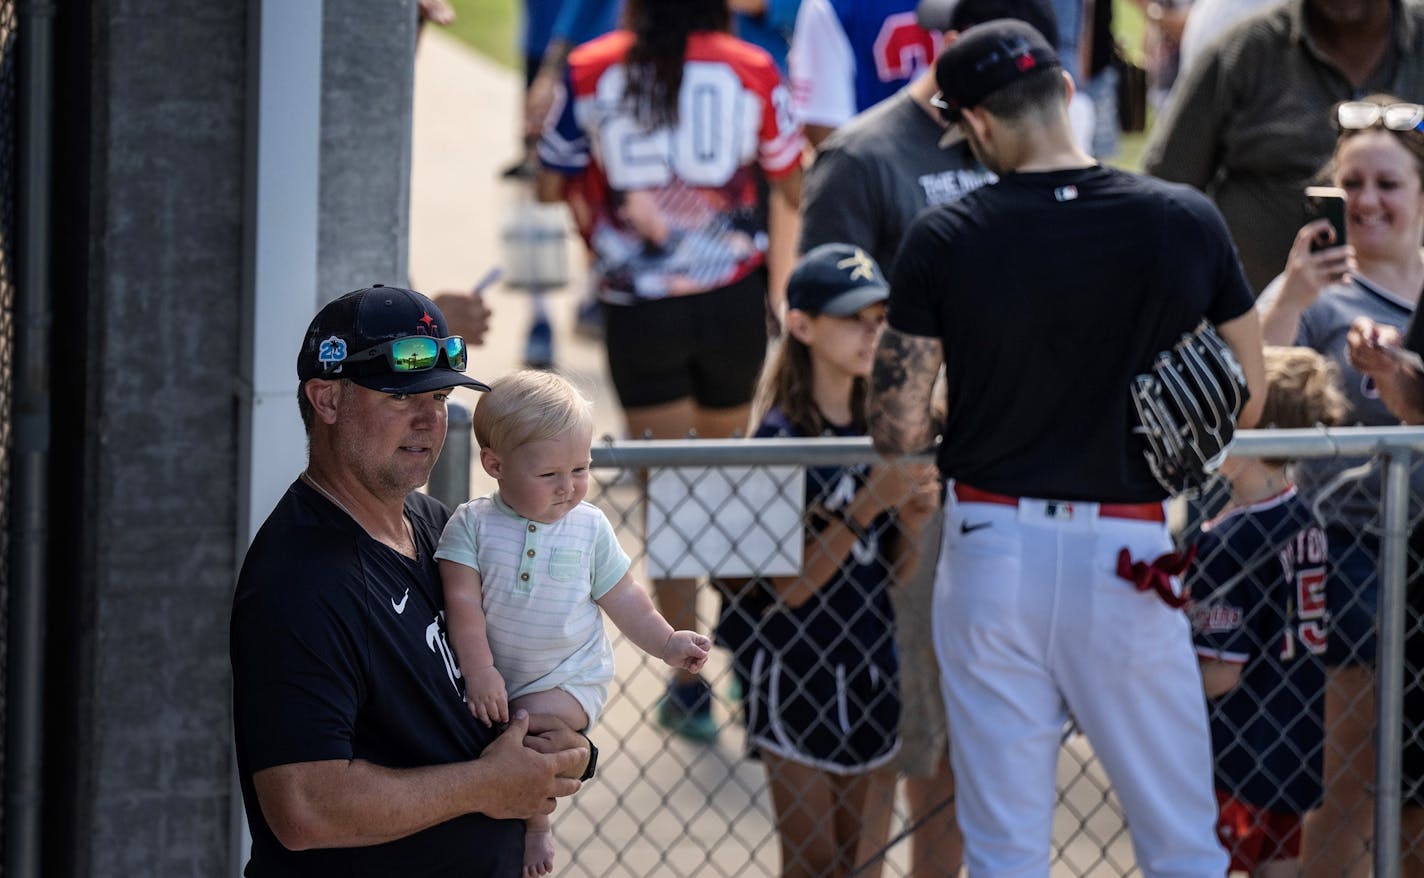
x: 527, y: 569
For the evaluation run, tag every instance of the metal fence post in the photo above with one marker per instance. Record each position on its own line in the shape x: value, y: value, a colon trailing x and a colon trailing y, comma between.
x: 450, y: 479
x: 1390, y: 686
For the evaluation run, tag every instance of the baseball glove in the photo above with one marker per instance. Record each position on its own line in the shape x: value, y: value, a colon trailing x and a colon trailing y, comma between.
x: 1186, y: 409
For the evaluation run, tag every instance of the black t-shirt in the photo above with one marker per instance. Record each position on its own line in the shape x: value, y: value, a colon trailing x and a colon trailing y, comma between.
x: 339, y: 652
x: 877, y: 172
x: 1050, y: 291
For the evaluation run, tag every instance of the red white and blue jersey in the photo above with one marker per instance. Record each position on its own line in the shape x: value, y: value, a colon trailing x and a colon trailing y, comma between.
x: 674, y: 209
x: 1258, y: 592
x: 848, y: 55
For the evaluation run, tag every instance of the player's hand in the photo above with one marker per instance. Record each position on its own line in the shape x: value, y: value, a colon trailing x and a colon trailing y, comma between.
x: 1310, y: 271
x: 518, y: 781
x: 549, y: 734
x: 436, y: 11
x: 1374, y: 348
x: 485, y: 696
x: 466, y: 314
x: 896, y: 484
x: 686, y: 650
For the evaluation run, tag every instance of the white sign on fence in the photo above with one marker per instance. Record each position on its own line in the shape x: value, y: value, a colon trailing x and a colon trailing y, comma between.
x: 725, y: 521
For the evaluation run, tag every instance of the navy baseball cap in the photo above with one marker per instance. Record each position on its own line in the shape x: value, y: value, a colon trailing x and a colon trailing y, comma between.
x: 386, y: 339
x: 837, y: 280
x: 986, y: 58
x: 961, y: 15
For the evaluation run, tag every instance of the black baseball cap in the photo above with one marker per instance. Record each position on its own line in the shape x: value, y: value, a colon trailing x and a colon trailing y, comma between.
x: 961, y: 15
x: 837, y: 280
x: 348, y: 339
x: 988, y: 57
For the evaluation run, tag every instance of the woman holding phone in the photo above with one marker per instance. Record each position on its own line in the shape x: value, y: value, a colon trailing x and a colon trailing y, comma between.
x: 1379, y: 163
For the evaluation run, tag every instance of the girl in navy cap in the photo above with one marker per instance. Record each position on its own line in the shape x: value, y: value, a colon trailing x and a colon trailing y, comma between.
x: 815, y: 653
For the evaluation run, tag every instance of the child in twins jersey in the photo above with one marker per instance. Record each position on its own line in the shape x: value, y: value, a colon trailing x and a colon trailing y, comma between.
x: 527, y: 569
x: 1259, y: 620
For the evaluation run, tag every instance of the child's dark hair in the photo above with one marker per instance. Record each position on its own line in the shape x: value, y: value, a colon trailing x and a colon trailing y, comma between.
x: 1302, y: 390
x: 785, y: 383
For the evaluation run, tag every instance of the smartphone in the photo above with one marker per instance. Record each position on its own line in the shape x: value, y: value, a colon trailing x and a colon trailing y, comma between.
x: 1328, y: 202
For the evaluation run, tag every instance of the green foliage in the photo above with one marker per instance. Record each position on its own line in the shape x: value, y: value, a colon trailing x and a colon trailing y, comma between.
x: 490, y: 27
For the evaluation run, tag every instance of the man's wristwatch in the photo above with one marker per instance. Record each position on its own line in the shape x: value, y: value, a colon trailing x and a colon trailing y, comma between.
x: 592, y: 766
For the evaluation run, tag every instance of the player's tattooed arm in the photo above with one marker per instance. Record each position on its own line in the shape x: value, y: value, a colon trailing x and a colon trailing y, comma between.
x: 901, y: 391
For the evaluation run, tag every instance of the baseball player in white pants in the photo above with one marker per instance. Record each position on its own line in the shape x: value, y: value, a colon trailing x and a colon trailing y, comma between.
x: 1043, y: 295
x: 1031, y: 624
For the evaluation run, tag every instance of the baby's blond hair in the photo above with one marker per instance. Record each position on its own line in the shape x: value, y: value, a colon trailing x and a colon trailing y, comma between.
x: 529, y: 406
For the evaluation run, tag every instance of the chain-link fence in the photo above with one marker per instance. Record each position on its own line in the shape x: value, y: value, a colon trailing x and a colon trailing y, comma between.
x: 805, y: 669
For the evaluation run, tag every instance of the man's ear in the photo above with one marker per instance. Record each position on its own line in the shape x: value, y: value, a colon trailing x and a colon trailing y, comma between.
x: 974, y: 118
x: 491, y: 462
x: 325, y: 398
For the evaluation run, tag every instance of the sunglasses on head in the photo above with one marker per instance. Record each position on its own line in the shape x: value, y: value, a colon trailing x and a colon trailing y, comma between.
x: 416, y: 353
x: 950, y: 114
x: 1356, y: 115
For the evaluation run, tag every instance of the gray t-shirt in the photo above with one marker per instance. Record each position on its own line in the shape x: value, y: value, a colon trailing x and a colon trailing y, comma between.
x: 875, y: 175
x: 1355, y: 501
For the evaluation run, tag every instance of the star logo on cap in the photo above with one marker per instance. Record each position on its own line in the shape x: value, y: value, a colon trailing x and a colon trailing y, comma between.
x: 428, y: 322
x: 861, y: 266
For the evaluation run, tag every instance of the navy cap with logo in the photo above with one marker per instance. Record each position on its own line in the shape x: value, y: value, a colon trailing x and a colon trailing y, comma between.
x: 386, y: 339
x: 961, y: 15
x: 837, y: 280
x: 986, y: 58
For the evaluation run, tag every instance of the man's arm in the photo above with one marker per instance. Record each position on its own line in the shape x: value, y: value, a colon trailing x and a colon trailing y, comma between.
x: 901, y: 392
x: 1243, y: 336
x: 1185, y: 145
x: 784, y: 226
x: 352, y: 803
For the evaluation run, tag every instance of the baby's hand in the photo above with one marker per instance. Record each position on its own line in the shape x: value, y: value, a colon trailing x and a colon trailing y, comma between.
x: 484, y: 693
x: 687, y: 650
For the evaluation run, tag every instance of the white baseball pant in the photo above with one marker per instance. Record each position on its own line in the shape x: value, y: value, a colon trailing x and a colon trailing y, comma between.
x: 1032, y: 622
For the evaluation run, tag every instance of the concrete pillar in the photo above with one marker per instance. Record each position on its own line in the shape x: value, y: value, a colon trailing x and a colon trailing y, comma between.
x: 146, y: 624
x: 159, y: 531
x: 368, y: 80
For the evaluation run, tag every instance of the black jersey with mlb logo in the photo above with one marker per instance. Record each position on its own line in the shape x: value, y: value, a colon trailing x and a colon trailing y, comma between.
x: 1049, y: 291
x: 339, y: 651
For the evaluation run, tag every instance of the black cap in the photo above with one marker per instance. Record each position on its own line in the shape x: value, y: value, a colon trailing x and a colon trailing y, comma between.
x: 988, y: 57
x: 366, y: 318
x: 961, y: 15
x: 835, y: 279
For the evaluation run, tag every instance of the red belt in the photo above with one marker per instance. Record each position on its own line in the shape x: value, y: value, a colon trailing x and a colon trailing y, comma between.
x: 1134, y: 511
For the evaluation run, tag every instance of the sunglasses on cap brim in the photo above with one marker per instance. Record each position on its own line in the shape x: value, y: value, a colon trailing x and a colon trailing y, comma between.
x: 417, y: 353
x: 947, y: 111
x: 1357, y: 115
